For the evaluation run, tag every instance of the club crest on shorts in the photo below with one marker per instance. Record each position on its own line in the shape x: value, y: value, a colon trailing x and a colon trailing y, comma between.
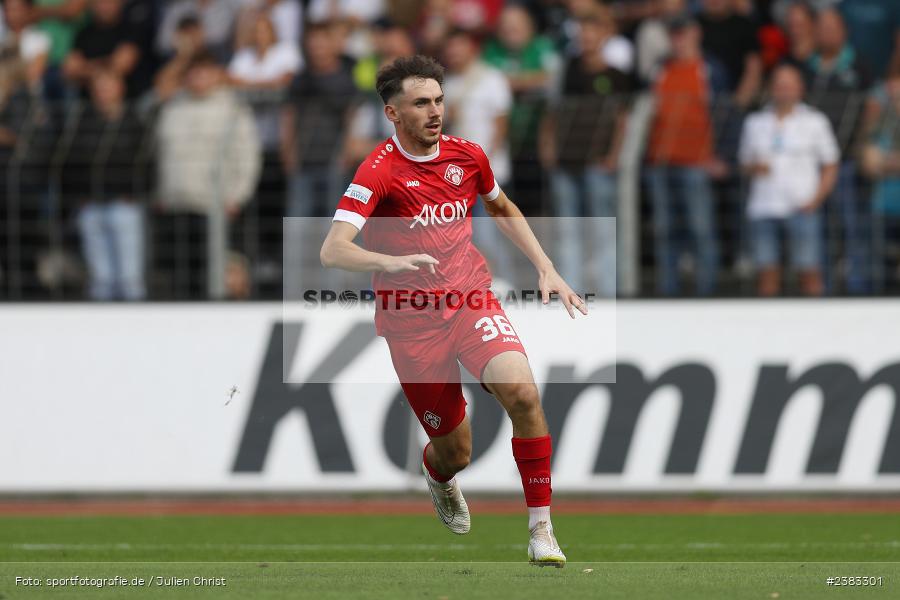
x: 432, y: 419
x: 454, y: 174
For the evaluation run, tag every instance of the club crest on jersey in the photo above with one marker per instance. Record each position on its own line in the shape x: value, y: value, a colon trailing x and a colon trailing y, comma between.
x: 432, y: 419
x: 454, y: 174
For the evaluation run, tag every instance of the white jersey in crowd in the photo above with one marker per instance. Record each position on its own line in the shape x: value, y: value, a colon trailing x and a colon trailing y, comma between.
x: 248, y: 65
x: 795, y: 148
x: 474, y: 99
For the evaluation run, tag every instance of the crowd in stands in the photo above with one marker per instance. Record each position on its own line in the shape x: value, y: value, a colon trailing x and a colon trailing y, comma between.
x: 771, y: 152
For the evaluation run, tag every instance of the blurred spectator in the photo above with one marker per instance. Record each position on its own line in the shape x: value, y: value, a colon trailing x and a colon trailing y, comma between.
x: 629, y: 12
x: 439, y: 18
x: 837, y: 77
x: 285, y: 15
x: 265, y: 70
x: 389, y: 41
x: 313, y: 123
x: 217, y: 18
x: 61, y: 20
x: 266, y: 65
x: 531, y: 66
x: 106, y: 43
x: 209, y: 159
x: 618, y: 50
x: 28, y: 43
x: 101, y: 174
x: 404, y: 12
x: 800, y: 24
x: 790, y: 152
x: 14, y: 103
x: 731, y: 38
x: 142, y: 18
x: 189, y: 41
x: 349, y: 20
x: 313, y: 127
x: 477, y: 15
x: 435, y: 24
x: 773, y: 46
x: 528, y: 59
x: 581, y: 143
x: 779, y: 9
x: 477, y: 101
x: 23, y: 166
x: 369, y: 125
x: 681, y: 158
x: 357, y: 11
x: 874, y: 30
x: 837, y: 85
x: 652, y: 38
x: 881, y: 161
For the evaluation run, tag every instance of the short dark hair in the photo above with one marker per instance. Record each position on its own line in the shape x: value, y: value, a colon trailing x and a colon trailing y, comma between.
x: 391, y: 76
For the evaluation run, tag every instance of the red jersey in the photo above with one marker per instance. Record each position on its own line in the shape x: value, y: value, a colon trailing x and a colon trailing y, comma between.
x: 406, y: 204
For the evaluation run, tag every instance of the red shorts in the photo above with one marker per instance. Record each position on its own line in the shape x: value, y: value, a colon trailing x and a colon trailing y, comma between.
x: 427, y: 362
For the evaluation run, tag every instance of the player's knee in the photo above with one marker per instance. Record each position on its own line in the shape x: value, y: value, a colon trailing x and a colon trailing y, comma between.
x: 522, y: 398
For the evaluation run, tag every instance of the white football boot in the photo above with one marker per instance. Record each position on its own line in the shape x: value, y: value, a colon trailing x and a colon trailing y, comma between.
x: 543, y: 550
x: 449, y: 504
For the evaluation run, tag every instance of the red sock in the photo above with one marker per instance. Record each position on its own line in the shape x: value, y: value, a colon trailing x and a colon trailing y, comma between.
x: 434, y: 474
x: 533, y: 459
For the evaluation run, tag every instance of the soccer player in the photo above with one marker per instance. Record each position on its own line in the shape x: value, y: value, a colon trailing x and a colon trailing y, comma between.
x: 411, y: 199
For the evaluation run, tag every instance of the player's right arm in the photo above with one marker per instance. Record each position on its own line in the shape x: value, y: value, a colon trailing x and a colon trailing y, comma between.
x: 339, y: 251
x: 370, y: 186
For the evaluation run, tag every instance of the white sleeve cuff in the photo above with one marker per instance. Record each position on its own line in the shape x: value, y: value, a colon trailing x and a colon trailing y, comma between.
x: 492, y: 195
x: 354, y: 218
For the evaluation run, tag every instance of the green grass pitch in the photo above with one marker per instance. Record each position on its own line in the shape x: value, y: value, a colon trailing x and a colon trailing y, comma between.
x: 699, y: 557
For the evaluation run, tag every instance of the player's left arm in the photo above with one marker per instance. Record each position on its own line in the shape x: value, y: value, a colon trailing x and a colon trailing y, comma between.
x: 512, y: 223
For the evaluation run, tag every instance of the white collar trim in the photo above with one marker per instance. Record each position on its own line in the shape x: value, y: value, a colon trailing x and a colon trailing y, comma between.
x: 413, y: 157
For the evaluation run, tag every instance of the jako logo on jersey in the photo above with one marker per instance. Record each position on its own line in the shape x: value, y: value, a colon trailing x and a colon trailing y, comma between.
x: 454, y: 174
x: 432, y: 419
x: 413, y: 183
x: 537, y: 479
x: 358, y: 192
x: 442, y: 213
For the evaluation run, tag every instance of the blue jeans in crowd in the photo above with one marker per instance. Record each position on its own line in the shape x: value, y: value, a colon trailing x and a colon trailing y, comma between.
x: 590, y: 192
x: 112, y: 239
x: 804, y: 235
x: 676, y: 190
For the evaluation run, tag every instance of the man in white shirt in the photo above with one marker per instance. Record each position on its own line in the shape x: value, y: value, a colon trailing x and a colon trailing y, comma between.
x: 479, y: 99
x: 790, y: 152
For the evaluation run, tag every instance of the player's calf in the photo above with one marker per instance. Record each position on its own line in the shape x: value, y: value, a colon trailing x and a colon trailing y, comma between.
x: 446, y: 456
x: 449, y: 503
x: 532, y: 450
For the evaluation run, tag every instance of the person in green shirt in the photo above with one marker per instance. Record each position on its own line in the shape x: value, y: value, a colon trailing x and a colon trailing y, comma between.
x: 60, y: 20
x: 531, y: 64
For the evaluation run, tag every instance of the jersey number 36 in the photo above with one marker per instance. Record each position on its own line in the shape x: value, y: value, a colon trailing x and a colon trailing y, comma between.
x: 494, y: 326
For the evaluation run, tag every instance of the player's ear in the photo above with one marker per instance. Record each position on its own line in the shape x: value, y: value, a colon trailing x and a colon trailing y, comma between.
x: 390, y: 111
